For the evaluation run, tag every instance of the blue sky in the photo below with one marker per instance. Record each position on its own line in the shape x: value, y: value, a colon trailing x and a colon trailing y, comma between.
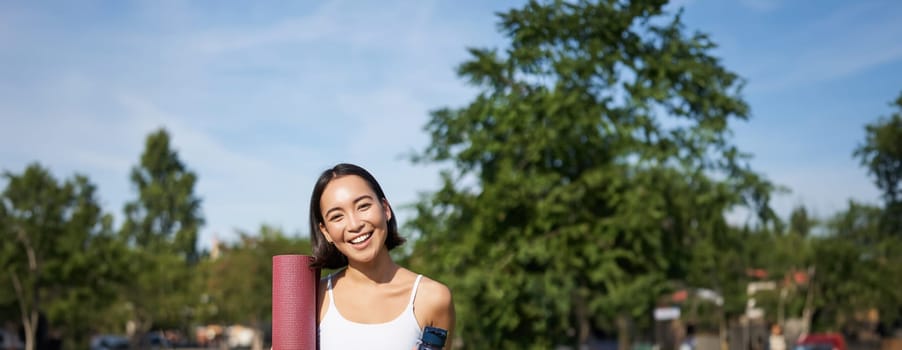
x: 261, y: 96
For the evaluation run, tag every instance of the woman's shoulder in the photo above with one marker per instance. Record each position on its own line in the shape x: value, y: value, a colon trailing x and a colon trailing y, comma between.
x: 434, y: 305
x: 324, y: 280
x: 333, y: 274
x: 426, y: 284
x: 433, y: 295
x: 434, y: 292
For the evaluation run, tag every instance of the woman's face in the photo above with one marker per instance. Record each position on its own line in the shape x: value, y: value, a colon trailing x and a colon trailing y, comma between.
x: 354, y: 218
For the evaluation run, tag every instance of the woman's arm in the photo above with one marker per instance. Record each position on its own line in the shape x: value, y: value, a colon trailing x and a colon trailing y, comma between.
x: 435, y: 307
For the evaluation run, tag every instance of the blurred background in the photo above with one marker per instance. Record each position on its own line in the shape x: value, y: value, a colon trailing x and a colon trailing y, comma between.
x: 582, y: 174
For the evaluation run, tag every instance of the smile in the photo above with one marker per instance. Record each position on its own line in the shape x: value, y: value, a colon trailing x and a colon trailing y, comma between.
x: 362, y: 238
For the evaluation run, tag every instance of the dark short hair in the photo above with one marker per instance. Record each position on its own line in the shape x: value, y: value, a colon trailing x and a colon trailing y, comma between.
x: 325, y: 255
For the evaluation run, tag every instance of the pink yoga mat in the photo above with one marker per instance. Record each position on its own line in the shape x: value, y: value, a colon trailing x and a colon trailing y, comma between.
x: 293, y: 303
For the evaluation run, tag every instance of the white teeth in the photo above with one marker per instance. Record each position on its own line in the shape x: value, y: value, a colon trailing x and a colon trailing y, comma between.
x: 360, y: 239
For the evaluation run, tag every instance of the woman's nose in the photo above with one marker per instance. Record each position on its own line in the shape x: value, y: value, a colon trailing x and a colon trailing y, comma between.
x: 354, y: 223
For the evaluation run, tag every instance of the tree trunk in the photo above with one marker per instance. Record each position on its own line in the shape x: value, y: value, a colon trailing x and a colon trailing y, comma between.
x: 582, y: 320
x: 722, y: 327
x: 781, y: 305
x: 623, y: 332
x: 809, y: 303
x: 29, y: 319
x: 142, y: 327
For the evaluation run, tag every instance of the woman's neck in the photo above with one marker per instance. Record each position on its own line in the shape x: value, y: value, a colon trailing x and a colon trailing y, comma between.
x: 380, y: 270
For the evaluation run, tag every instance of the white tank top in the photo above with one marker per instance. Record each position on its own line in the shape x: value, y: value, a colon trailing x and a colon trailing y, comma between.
x: 336, y: 332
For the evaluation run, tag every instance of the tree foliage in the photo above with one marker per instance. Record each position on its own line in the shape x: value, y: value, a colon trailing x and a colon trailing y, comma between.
x: 57, y: 254
x: 858, y: 268
x: 859, y: 260
x: 596, y: 151
x: 238, y: 282
x: 881, y: 154
x: 166, y: 215
x: 161, y: 227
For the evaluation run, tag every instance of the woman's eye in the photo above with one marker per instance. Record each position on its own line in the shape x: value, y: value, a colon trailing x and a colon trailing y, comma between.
x: 335, y: 218
x: 365, y: 206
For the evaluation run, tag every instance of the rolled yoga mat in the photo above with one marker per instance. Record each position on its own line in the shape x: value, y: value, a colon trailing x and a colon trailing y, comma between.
x: 293, y: 302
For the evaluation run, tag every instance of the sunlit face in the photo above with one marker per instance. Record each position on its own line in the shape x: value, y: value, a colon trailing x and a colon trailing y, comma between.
x: 354, y: 218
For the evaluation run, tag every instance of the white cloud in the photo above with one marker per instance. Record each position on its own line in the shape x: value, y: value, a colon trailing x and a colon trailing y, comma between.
x: 761, y: 5
x: 321, y: 24
x: 851, y: 40
x: 351, y: 25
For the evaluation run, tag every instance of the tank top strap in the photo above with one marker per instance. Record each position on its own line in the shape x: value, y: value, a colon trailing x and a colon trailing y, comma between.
x: 413, y: 291
x: 329, y: 290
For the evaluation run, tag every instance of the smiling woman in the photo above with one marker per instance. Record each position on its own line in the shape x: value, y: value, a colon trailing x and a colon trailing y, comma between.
x: 371, y: 302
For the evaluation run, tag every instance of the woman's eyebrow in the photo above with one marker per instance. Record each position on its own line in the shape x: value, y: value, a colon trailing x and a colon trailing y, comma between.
x: 362, y: 198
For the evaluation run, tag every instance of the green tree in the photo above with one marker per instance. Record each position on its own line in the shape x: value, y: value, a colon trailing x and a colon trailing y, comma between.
x: 596, y: 152
x: 55, y: 254
x: 238, y: 281
x: 161, y: 227
x: 881, y: 154
x: 855, y: 269
x: 781, y: 253
x: 166, y: 215
x: 800, y: 223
